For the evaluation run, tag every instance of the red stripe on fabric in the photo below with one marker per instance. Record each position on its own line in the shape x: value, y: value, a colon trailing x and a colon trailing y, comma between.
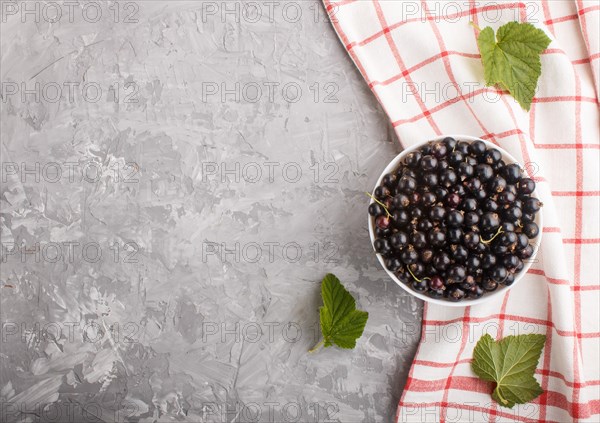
x: 550, y: 229
x: 564, y: 98
x: 407, y: 386
x: 579, y: 241
x: 442, y: 106
x: 465, y: 407
x: 419, y: 66
x: 548, y: 17
x: 421, y: 19
x: 514, y: 318
x: 470, y: 95
x: 576, y: 193
x: 567, y: 382
x: 594, y: 56
x: 473, y: 384
x: 542, y: 371
x: 585, y: 288
x: 578, y: 221
x: 355, y: 59
x: 500, y: 333
x: 448, y: 67
x: 402, y: 66
x: 588, y: 9
x: 567, y: 146
x: 547, y: 356
x: 551, y: 22
x: 554, y: 281
x: 466, y: 383
x: 463, y: 343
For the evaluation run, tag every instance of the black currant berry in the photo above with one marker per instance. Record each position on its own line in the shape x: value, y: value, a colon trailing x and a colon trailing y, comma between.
x: 489, y: 222
x: 412, y: 159
x: 471, y: 218
x: 498, y: 274
x: 419, y: 286
x: 428, y: 163
x: 399, y: 240
x: 439, y: 149
x: 456, y: 274
x: 418, y: 240
x: 441, y: 261
x: 471, y: 240
x: 382, y: 222
x: 512, y: 214
x: 475, y: 292
x: 437, y: 213
x: 393, y: 264
x: 492, y: 156
x: 424, y: 225
x: 454, y: 218
x: 448, y: 178
x: 400, y: 217
x: 465, y: 170
x: 484, y: 172
x: 381, y: 192
x: 407, y: 184
x: 455, y: 293
x: 511, y: 173
x: 450, y: 143
x: 473, y: 263
x: 382, y: 233
x: 469, y: 204
x: 456, y: 158
x: 526, y: 186
x: 489, y: 284
x: 506, y: 197
x: 531, y: 205
x: 458, y: 253
x: 436, y: 237
x: 530, y: 229
x: 453, y: 200
x: 522, y: 241
x: 426, y: 255
x: 498, y: 184
x: 382, y: 245
x: 375, y: 209
x: 488, y: 260
x: 510, y: 279
x: 477, y: 148
x: 490, y: 205
x: 390, y: 180
x: 409, y: 255
x: 430, y: 179
x: 436, y: 283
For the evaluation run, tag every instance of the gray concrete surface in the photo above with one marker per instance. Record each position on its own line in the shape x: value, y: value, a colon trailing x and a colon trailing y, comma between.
x: 176, y: 180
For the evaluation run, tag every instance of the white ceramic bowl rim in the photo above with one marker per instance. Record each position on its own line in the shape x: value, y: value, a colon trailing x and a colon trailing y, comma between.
x: 508, y: 158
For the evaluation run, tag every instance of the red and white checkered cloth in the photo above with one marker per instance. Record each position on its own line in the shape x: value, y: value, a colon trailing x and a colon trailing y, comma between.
x: 422, y: 62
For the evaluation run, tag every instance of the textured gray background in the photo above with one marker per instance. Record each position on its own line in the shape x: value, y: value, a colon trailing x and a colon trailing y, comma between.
x: 203, y: 303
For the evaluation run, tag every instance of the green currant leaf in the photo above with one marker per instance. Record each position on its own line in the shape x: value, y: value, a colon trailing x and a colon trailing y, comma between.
x: 341, y: 323
x: 511, y: 58
x: 510, y: 363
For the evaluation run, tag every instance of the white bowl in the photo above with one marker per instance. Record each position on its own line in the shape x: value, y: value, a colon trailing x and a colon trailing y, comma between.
x: 466, y: 301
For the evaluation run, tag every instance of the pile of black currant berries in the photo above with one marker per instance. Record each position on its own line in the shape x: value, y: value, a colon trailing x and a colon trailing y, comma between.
x: 454, y: 220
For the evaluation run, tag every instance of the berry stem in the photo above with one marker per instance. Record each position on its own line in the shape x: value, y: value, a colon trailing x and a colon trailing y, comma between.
x: 381, y: 204
x: 494, y: 237
x: 316, y: 347
x: 414, y: 277
x: 501, y: 397
x: 474, y: 25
